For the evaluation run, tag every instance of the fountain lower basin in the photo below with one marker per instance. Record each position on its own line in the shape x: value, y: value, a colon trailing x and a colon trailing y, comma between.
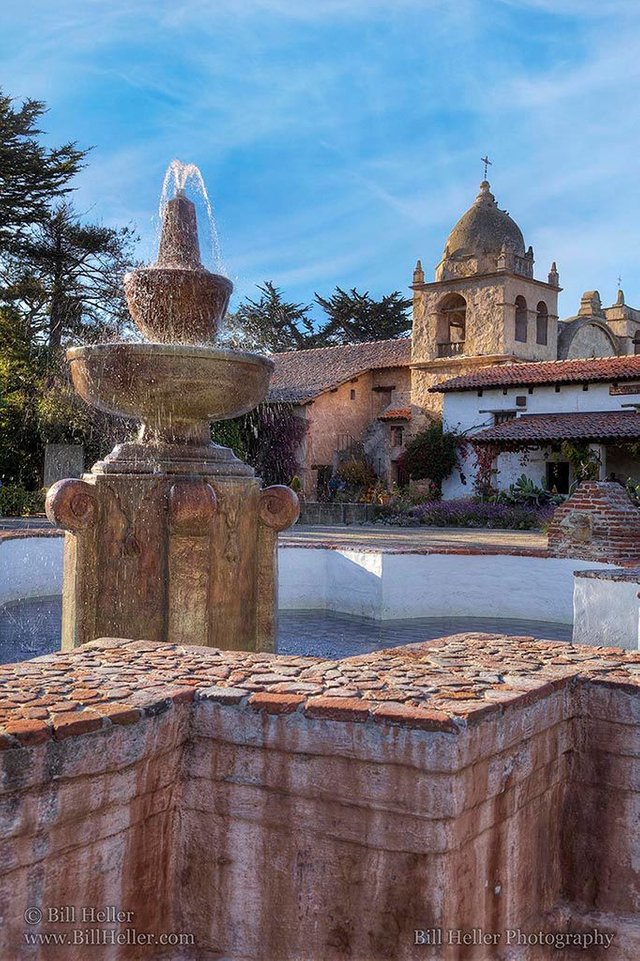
x: 169, y: 385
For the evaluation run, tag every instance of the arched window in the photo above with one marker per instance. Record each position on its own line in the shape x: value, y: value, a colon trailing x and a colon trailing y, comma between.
x: 521, y: 320
x: 542, y: 323
x: 636, y: 343
x: 452, y: 325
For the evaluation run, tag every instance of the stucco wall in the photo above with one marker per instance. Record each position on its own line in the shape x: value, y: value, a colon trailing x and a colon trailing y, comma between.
x: 589, y: 341
x: 606, y: 609
x: 462, y: 408
x: 371, y: 584
x: 466, y: 412
x: 377, y: 585
x: 334, y: 413
x: 30, y: 567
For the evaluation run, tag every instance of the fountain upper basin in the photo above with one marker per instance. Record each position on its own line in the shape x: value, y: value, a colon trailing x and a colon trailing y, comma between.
x: 164, y: 383
x: 175, y: 305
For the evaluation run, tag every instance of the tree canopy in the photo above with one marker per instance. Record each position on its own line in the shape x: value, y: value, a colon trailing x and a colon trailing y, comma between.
x: 32, y: 176
x: 60, y: 282
x: 67, y: 280
x: 355, y: 317
x: 271, y: 323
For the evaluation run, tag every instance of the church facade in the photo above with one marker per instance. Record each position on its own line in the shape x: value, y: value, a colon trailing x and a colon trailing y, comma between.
x: 484, y: 310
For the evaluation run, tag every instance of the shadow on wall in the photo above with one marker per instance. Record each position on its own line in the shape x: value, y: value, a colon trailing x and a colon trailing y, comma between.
x: 384, y: 585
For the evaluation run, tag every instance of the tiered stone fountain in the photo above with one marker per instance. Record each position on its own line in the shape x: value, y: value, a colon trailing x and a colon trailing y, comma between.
x: 170, y: 536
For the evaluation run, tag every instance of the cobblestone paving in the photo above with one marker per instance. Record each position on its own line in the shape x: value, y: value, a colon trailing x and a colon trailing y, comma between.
x: 441, y: 685
x: 32, y: 628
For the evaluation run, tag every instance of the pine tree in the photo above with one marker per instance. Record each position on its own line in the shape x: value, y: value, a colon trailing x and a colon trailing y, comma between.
x: 355, y: 317
x: 32, y: 176
x: 273, y: 324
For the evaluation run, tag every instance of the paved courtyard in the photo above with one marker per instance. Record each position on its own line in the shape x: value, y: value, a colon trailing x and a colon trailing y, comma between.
x: 428, y: 539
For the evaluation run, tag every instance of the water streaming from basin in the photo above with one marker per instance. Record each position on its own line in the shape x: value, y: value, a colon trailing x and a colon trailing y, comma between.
x: 185, y: 179
x: 170, y: 536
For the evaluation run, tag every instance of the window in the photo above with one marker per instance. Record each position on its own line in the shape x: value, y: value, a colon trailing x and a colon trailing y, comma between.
x: 521, y: 320
x: 636, y: 344
x: 353, y: 393
x: 396, y: 436
x: 542, y: 323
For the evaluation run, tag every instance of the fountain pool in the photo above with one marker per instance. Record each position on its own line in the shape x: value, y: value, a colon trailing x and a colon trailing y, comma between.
x: 31, y: 627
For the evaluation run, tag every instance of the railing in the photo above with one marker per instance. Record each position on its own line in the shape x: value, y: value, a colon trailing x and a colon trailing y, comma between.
x: 345, y: 442
x: 451, y: 349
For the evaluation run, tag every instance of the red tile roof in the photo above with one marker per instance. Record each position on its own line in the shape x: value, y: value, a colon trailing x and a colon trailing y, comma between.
x: 301, y: 375
x: 596, y: 426
x: 396, y: 413
x: 547, y: 372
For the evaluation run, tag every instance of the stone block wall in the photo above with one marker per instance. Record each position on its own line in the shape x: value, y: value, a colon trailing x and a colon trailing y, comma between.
x: 319, y: 512
x: 599, y: 522
x: 296, y: 809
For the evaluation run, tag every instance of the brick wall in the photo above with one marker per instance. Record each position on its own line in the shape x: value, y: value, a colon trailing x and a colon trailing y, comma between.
x: 297, y: 809
x: 598, y: 522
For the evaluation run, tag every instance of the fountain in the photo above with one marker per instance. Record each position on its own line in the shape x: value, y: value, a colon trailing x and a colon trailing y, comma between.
x: 170, y: 536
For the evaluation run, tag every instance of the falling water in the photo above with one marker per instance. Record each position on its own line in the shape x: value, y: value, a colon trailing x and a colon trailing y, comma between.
x: 178, y: 176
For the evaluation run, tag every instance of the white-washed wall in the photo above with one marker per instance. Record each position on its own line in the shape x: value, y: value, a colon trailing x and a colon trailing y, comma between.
x: 606, y: 612
x: 463, y: 412
x: 30, y: 567
x: 429, y: 585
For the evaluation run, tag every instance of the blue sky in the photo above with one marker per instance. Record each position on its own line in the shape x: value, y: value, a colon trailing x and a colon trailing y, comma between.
x: 340, y: 139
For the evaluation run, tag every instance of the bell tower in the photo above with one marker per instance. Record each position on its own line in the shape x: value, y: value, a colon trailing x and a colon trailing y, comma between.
x: 484, y: 306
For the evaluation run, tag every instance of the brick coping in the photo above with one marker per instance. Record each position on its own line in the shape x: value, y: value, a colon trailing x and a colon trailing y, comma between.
x: 484, y: 551
x: 630, y: 575
x: 288, y: 543
x: 12, y: 535
x: 446, y: 685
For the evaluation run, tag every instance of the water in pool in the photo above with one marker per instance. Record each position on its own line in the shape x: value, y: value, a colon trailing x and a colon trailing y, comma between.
x: 29, y: 628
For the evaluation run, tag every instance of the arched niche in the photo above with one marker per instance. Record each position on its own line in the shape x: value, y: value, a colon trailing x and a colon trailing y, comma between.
x: 520, y: 332
x: 451, y: 322
x: 542, y: 324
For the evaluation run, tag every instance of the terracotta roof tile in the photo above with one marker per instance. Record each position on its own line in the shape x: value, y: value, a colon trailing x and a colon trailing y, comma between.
x: 396, y: 413
x: 547, y: 372
x: 301, y: 375
x: 598, y: 425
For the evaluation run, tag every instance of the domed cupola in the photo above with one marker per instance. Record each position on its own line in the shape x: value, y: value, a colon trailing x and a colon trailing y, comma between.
x: 484, y: 240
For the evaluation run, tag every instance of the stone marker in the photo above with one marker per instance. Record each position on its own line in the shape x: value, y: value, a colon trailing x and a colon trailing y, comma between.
x: 62, y: 460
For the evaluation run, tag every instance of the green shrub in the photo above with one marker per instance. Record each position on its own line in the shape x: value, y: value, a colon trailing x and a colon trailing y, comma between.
x: 15, y: 501
x: 356, y: 473
x: 432, y: 454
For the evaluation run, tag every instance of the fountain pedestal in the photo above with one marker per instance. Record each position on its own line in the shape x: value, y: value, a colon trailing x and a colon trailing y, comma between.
x: 164, y: 557
x: 170, y: 537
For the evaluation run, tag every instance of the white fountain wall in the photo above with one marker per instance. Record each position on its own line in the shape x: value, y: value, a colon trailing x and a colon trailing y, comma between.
x: 30, y: 567
x: 384, y: 586
x: 370, y: 584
